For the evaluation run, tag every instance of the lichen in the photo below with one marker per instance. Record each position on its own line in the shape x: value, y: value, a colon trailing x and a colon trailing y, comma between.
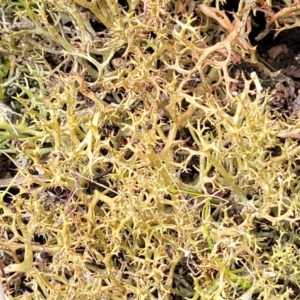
x: 149, y: 164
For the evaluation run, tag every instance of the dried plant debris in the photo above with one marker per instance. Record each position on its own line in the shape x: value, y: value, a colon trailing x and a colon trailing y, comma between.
x: 149, y: 149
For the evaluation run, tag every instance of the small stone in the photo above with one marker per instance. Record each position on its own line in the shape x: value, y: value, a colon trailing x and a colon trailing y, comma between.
x: 6, y: 113
x: 296, y: 103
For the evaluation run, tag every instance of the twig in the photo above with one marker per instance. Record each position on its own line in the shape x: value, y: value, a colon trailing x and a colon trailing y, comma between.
x: 15, y: 181
x: 295, y: 136
x: 2, y: 295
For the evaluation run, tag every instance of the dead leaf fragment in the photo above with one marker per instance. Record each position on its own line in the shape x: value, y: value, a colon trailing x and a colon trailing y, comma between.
x: 26, y: 296
x: 292, y: 70
x: 277, y: 50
